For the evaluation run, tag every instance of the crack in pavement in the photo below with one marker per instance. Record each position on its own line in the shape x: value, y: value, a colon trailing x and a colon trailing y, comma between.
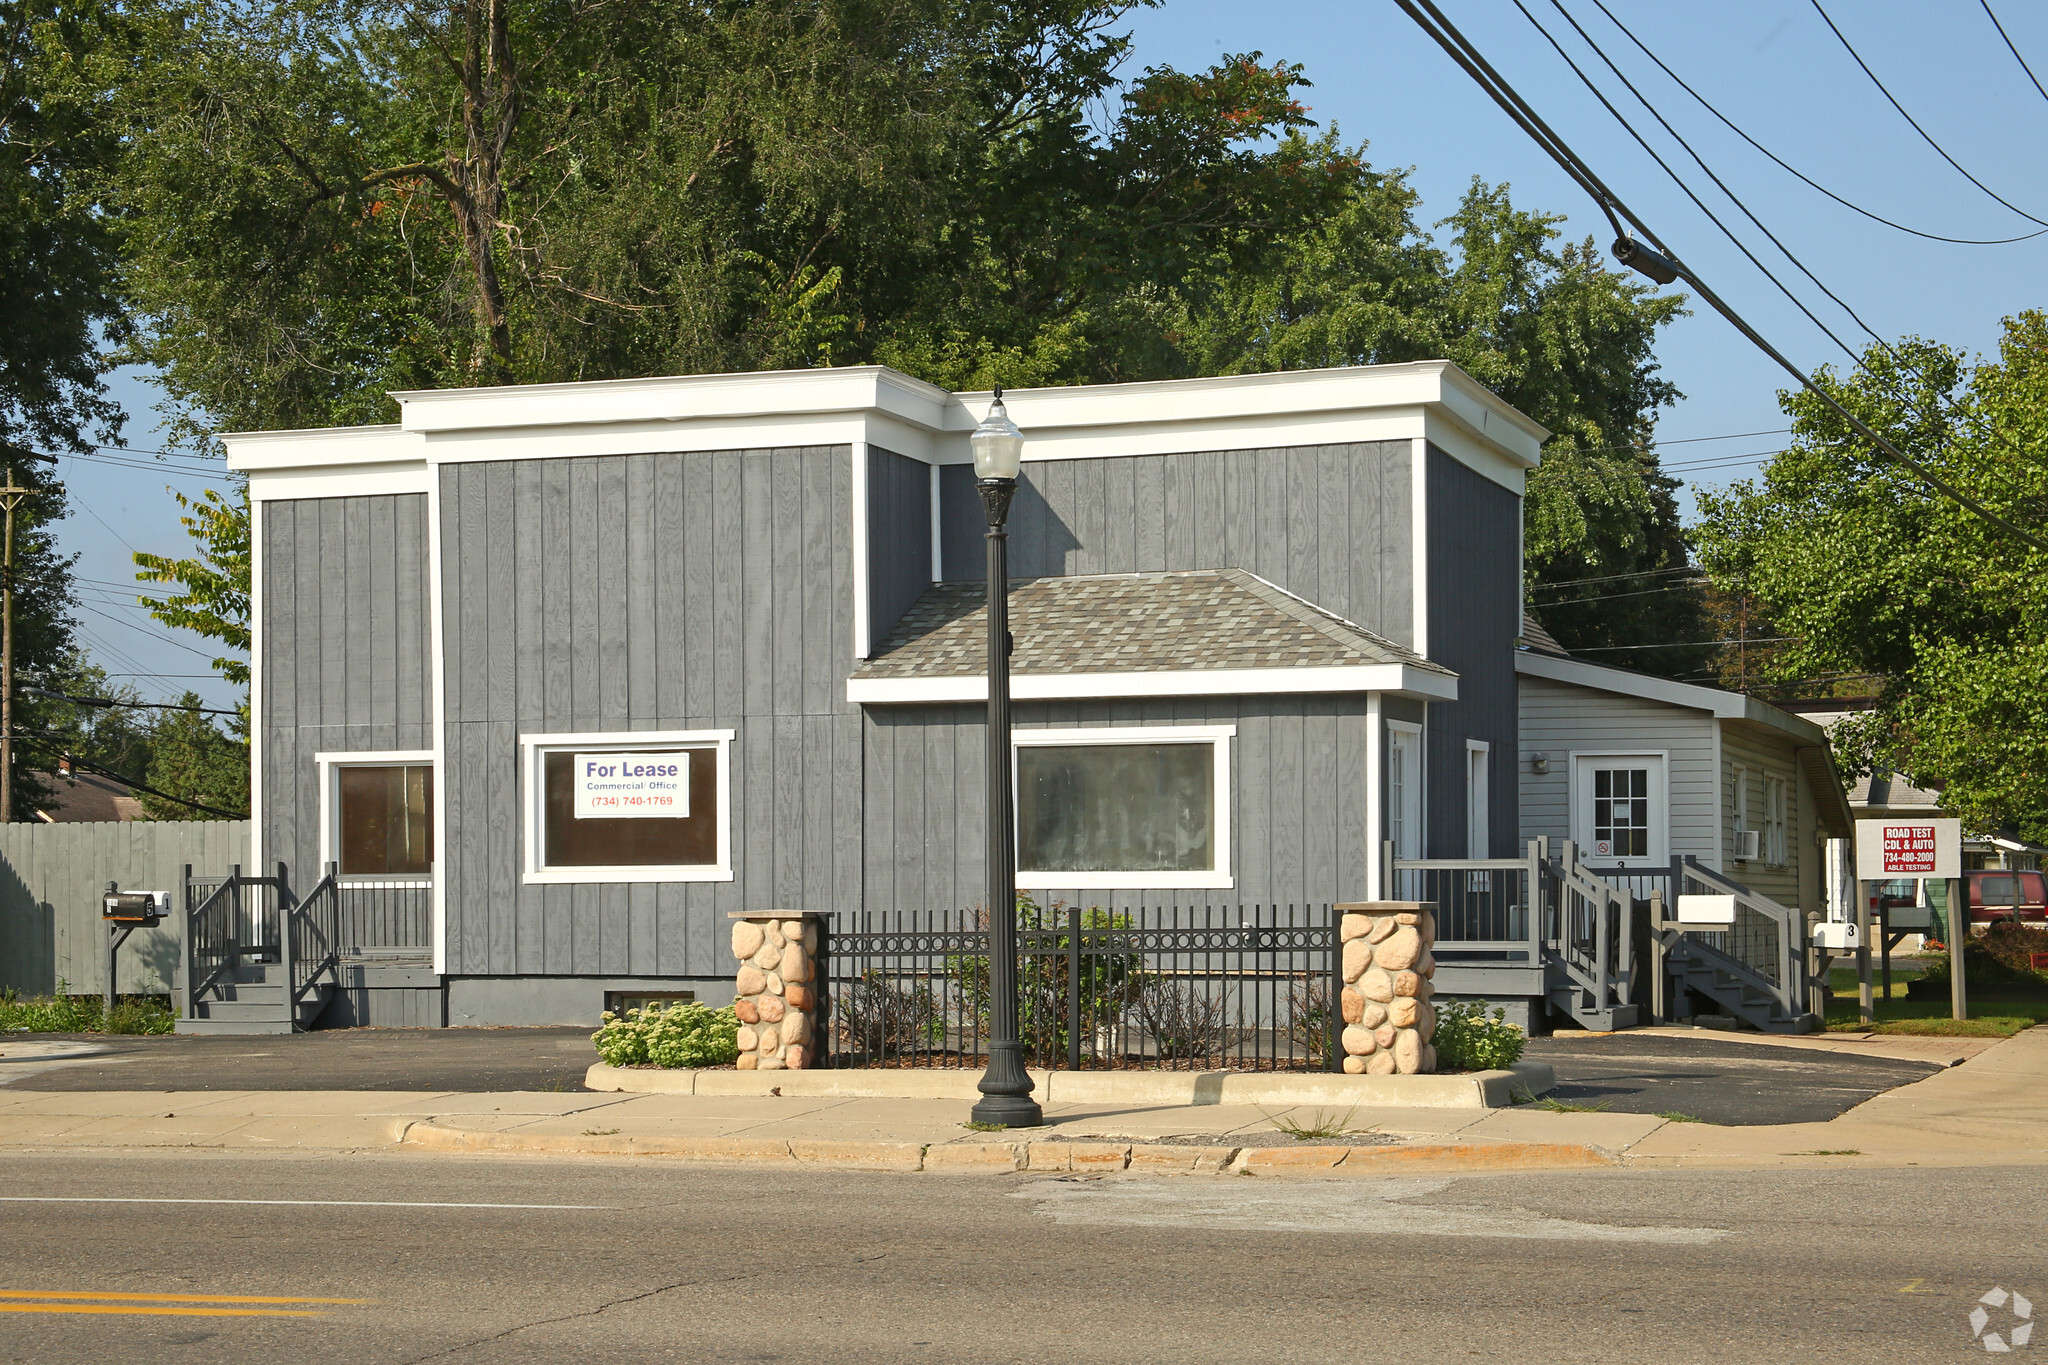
x: 621, y: 1302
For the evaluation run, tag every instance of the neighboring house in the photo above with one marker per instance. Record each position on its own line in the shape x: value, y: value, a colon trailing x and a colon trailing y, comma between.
x: 79, y: 797
x: 1885, y: 795
x: 1263, y: 624
x: 1639, y: 770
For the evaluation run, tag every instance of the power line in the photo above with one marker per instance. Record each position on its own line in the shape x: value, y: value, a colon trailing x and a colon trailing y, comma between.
x: 110, y: 701
x: 2010, y: 48
x: 1795, y: 171
x: 1851, y: 50
x: 1619, y: 577
x: 1690, y: 644
x: 1679, y: 180
x: 1661, y: 265
x: 130, y: 782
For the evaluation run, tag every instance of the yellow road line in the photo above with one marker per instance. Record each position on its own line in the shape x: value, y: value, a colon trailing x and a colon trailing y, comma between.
x: 153, y: 1310
x: 159, y: 1298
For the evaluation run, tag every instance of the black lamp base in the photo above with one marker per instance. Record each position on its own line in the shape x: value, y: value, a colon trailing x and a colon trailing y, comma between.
x: 1006, y: 1090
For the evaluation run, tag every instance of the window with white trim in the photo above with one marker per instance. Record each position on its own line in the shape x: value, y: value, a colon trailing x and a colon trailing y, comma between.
x: 1478, y: 760
x: 1776, y: 845
x: 1404, y: 788
x: 1738, y: 794
x: 634, y: 806
x: 378, y: 813
x: 1124, y: 807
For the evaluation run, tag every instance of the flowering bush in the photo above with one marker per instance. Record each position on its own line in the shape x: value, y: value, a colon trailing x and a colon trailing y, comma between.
x: 1467, y: 1040
x: 681, y: 1034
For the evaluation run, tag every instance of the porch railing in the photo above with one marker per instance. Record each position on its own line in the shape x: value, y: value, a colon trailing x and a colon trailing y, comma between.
x: 1192, y: 988
x: 1767, y: 941
x: 312, y: 938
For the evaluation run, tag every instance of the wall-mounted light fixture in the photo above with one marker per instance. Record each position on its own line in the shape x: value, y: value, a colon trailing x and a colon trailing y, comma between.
x: 1539, y: 763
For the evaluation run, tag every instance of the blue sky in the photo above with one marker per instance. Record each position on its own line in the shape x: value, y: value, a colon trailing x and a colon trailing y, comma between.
x: 1771, y: 66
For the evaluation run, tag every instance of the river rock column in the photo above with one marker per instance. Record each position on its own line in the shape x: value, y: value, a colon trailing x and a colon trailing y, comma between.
x: 777, y: 991
x: 1387, y: 966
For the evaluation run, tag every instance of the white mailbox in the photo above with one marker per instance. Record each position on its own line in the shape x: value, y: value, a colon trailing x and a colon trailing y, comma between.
x: 1706, y: 912
x: 1837, y: 936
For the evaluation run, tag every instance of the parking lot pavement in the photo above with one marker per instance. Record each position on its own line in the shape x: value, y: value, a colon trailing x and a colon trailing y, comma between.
x: 469, y: 1060
x: 1714, y: 1080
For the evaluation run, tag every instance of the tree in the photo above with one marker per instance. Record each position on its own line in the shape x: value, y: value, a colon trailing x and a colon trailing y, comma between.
x: 190, y: 757
x: 213, y: 586
x: 1872, y: 576
x: 326, y: 200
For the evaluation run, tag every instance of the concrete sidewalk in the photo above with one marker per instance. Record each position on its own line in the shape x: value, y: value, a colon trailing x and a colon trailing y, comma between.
x: 1990, y: 1110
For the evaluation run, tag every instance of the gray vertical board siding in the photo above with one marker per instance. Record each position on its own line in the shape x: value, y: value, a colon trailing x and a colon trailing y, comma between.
x: 694, y: 591
x: 1475, y: 614
x: 53, y: 876
x: 899, y: 537
x: 346, y: 650
x: 1328, y: 523
x: 1297, y: 817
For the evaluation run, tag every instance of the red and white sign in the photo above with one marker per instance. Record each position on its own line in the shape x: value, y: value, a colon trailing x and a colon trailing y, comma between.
x: 1922, y: 848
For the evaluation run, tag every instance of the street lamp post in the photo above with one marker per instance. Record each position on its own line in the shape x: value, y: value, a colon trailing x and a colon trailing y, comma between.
x: 1006, y: 1086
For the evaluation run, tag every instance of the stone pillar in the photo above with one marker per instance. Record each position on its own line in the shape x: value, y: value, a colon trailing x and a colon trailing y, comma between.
x: 1387, y: 966
x: 778, y: 992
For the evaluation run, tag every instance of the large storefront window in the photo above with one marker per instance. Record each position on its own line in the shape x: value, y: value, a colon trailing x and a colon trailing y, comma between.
x: 628, y: 807
x: 1124, y: 807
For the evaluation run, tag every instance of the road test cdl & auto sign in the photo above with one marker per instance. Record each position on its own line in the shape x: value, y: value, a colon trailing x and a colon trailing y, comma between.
x: 1887, y: 849
x: 616, y: 786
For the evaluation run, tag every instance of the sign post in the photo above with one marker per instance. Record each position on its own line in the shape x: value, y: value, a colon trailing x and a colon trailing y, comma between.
x: 1917, y: 850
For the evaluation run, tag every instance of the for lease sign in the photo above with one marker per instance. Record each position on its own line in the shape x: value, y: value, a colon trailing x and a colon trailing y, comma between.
x: 1908, y: 848
x: 615, y: 786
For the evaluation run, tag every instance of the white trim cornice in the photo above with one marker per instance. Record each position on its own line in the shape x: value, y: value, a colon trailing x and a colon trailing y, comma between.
x: 868, y: 404
x: 1722, y: 705
x: 1402, y: 679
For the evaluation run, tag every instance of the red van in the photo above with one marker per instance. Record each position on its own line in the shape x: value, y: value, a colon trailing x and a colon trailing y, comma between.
x: 1998, y: 896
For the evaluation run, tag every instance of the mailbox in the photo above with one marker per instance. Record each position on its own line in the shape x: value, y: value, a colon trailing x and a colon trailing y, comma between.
x: 1838, y: 935
x: 136, y: 907
x: 1706, y: 912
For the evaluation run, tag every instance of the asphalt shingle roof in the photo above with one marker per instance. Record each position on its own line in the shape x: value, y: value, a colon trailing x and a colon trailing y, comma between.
x: 1130, y: 623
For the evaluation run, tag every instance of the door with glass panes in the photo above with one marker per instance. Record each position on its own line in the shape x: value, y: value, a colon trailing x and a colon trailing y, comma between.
x: 1619, y: 809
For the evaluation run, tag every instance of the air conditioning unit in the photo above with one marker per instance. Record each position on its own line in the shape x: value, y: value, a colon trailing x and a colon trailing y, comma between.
x: 1748, y: 845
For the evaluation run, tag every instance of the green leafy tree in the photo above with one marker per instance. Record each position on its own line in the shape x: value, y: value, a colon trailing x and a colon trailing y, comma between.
x: 193, y: 758
x: 212, y: 596
x: 1874, y: 579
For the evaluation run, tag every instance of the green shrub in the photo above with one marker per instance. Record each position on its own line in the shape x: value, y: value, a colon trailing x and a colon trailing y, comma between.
x: 681, y: 1034
x: 1468, y: 1040
x: 63, y: 1012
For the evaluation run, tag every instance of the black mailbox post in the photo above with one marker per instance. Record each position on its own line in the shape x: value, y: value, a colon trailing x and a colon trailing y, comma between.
x: 124, y: 912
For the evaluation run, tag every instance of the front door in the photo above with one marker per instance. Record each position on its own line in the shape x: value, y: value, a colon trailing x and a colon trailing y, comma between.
x: 1619, y: 816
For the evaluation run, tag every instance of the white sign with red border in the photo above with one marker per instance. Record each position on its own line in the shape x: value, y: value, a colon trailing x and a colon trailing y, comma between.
x: 1922, y: 849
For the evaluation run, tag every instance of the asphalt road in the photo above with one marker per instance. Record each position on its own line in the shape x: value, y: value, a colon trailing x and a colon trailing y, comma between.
x: 1716, y: 1081
x: 1712, y: 1080
x: 427, y: 1258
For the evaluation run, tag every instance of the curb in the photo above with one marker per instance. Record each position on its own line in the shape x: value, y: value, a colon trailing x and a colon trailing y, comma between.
x: 1465, y: 1090
x: 1006, y: 1158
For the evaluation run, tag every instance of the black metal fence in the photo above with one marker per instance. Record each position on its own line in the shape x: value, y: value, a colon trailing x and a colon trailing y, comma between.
x: 1190, y: 988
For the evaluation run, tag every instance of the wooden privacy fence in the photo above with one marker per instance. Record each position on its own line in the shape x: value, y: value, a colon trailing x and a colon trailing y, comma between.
x: 53, y: 876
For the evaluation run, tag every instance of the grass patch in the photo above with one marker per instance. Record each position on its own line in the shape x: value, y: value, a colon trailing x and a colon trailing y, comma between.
x: 1572, y: 1107
x: 1842, y: 981
x: 1930, y: 1018
x: 63, y: 1012
x: 599, y: 1132
x: 1319, y: 1128
x: 977, y: 1126
x: 1673, y: 1116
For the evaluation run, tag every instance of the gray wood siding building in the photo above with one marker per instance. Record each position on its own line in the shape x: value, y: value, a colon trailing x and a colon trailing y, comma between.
x: 723, y: 566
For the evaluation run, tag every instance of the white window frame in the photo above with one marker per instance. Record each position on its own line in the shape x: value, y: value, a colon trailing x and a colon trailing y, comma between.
x: 329, y: 765
x: 1478, y: 798
x: 1581, y: 808
x: 533, y: 808
x: 1405, y: 806
x: 1218, y: 737
x: 1777, y: 825
x: 1738, y: 794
